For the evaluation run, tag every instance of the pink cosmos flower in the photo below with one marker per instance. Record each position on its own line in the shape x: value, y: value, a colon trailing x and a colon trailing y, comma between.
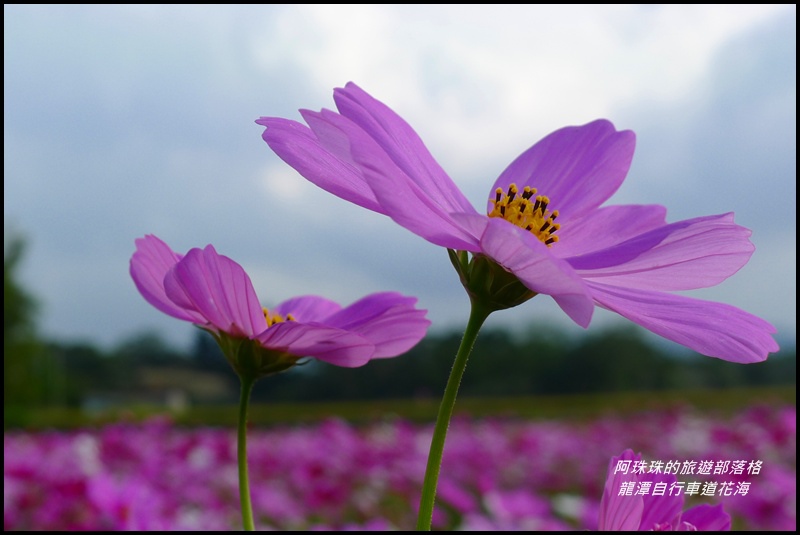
x: 214, y: 292
x: 649, y: 512
x: 623, y: 258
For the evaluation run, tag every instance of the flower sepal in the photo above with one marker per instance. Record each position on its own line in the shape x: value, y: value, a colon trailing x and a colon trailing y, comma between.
x: 250, y: 359
x: 488, y: 283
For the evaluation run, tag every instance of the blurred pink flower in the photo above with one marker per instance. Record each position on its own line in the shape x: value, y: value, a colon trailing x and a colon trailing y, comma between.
x: 623, y: 258
x: 649, y: 512
x: 84, y: 479
x: 214, y: 292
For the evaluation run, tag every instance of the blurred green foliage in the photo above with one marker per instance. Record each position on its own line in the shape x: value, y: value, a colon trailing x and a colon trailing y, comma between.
x: 526, y: 375
x: 531, y: 363
x: 574, y: 407
x: 28, y: 373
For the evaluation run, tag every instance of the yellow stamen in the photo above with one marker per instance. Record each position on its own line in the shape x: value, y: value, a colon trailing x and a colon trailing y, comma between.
x: 272, y: 319
x: 537, y: 219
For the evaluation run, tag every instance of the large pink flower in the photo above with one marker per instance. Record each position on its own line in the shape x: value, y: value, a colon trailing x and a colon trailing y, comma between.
x: 636, y: 510
x: 214, y: 292
x: 623, y: 258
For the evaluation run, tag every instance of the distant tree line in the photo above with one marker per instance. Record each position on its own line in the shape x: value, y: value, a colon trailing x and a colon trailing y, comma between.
x: 506, y: 364
x: 24, y: 356
x: 537, y: 361
x: 502, y: 364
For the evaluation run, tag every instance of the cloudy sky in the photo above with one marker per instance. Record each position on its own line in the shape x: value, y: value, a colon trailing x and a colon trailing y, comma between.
x: 126, y: 120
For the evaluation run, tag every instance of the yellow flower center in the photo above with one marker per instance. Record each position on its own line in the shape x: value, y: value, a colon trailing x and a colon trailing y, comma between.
x: 272, y: 319
x: 527, y: 211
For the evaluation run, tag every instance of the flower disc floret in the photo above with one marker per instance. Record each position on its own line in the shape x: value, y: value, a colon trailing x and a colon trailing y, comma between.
x: 531, y: 215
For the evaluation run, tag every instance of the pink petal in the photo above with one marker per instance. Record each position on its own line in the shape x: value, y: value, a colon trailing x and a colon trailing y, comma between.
x: 219, y: 289
x: 577, y: 167
x: 410, y: 207
x: 400, y: 196
x: 370, y: 169
x: 299, y: 147
x: 402, y: 145
x: 607, y: 226
x: 148, y: 267
x: 522, y: 254
x: 619, y: 513
x: 707, y: 518
x: 696, y: 253
x: 322, y: 342
x: 308, y: 308
x: 712, y: 329
x: 660, y: 510
x: 388, y: 320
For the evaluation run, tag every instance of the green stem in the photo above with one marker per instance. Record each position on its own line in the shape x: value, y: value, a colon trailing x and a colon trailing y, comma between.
x: 244, y: 484
x: 477, y: 316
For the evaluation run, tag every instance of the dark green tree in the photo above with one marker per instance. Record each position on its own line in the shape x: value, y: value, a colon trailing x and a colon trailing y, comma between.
x: 27, y: 370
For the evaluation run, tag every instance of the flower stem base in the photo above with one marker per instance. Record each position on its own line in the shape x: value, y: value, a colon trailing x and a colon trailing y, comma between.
x: 478, y: 315
x: 241, y: 451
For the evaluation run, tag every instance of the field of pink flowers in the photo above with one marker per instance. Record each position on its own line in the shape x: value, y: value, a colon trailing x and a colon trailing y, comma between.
x: 497, y: 474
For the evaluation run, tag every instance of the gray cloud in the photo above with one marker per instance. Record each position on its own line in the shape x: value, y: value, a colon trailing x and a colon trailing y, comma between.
x: 126, y: 121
